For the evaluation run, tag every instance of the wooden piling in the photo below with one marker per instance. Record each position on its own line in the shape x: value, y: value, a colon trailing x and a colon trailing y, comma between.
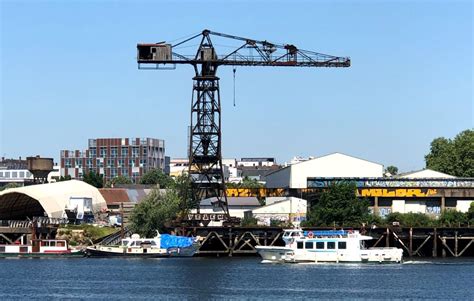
x: 387, y: 238
x: 411, y: 243
x: 456, y: 244
x: 435, y: 244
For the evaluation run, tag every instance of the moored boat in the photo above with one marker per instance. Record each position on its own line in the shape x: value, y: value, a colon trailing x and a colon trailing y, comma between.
x: 327, y: 246
x: 162, y: 245
x: 40, y: 248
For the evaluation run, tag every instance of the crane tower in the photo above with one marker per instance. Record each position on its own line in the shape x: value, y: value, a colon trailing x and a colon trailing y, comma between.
x: 205, y: 147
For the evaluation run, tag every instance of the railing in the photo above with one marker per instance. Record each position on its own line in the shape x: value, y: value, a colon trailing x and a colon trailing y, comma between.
x: 40, y: 221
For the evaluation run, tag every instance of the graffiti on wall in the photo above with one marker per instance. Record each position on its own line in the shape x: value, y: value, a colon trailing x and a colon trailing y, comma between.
x: 427, y: 183
x: 399, y: 192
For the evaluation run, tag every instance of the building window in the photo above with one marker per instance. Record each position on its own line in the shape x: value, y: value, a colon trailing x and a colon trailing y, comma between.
x: 89, y: 163
x: 131, y: 162
x: 93, y: 152
x: 67, y: 163
x: 125, y: 172
x: 145, y: 151
x: 113, y: 152
x: 99, y: 163
x: 103, y: 152
x: 341, y: 245
x: 308, y: 245
x: 121, y: 163
x: 110, y: 162
x: 142, y: 162
x: 331, y: 245
x: 319, y: 245
x: 124, y: 151
x: 135, y: 152
x: 79, y: 163
x: 113, y: 172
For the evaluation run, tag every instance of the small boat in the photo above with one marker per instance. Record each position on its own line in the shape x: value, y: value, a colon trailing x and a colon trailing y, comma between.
x: 327, y: 246
x: 41, y: 248
x: 162, y: 245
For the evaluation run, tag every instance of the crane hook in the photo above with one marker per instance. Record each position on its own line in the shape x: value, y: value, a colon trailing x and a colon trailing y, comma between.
x: 234, y: 84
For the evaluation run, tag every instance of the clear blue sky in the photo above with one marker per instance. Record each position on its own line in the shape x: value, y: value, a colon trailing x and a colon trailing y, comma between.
x: 68, y: 73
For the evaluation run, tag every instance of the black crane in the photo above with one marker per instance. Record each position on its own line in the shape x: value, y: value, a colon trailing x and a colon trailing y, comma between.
x: 205, y: 156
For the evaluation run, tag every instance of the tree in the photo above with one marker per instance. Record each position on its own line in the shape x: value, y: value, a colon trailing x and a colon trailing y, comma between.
x: 94, y: 179
x: 339, y: 205
x: 155, y: 212
x: 118, y: 180
x: 157, y: 177
x: 182, y: 186
x: 393, y: 170
x: 9, y: 185
x: 454, y: 157
x: 62, y: 178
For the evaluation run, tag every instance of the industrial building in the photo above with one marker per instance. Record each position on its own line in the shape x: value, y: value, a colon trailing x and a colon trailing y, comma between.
x: 333, y: 165
x: 112, y: 157
x: 48, y: 200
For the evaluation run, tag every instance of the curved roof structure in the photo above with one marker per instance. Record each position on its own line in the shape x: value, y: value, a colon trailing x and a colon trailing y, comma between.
x: 46, y: 199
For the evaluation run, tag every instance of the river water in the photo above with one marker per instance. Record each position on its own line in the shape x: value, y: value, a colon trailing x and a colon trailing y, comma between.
x: 231, y: 279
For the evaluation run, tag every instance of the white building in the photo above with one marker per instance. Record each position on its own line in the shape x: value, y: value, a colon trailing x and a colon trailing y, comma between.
x: 283, y: 209
x: 334, y: 165
x: 248, y: 162
x: 425, y: 173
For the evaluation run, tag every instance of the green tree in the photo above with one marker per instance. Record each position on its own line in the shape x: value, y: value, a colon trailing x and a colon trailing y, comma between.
x: 62, y: 178
x: 454, y: 157
x: 155, y: 212
x: 393, y: 170
x: 464, y: 154
x: 339, y: 205
x: 94, y: 179
x: 157, y: 177
x: 118, y: 180
x: 470, y: 213
x: 452, y: 218
x: 182, y: 186
x: 410, y: 219
x: 9, y: 185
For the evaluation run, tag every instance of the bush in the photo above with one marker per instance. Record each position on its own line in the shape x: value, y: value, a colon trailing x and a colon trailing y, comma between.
x: 410, y: 219
x: 248, y: 222
x: 452, y: 218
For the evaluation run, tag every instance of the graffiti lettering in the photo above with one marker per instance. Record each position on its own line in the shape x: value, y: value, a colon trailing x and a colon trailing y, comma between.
x: 401, y: 192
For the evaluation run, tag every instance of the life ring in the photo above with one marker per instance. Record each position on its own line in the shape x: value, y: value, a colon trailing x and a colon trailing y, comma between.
x: 310, y: 234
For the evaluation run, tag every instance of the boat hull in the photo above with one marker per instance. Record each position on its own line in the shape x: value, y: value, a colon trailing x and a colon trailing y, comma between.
x: 73, y: 254
x: 289, y: 255
x: 120, y: 252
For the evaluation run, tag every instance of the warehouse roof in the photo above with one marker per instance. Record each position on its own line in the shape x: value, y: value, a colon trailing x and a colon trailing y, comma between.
x: 46, y: 199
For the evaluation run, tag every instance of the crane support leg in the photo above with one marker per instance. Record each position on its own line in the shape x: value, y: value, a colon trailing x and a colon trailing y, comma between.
x: 205, y: 143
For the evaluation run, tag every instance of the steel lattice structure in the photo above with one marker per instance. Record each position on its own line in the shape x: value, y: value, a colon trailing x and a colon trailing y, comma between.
x: 205, y: 147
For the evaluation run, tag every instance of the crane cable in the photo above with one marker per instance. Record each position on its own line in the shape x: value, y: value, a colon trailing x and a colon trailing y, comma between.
x: 234, y: 85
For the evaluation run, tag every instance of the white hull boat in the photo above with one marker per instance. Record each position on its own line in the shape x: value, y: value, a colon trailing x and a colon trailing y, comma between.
x: 327, y: 246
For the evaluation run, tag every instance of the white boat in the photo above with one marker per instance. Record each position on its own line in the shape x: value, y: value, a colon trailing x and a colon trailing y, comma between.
x: 40, y: 248
x: 327, y: 246
x: 163, y: 245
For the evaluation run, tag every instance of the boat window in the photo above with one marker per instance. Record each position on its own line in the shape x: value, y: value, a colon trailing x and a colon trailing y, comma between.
x: 341, y: 245
x: 308, y: 245
x: 60, y: 244
x: 124, y: 242
x: 2, y: 249
x: 23, y: 249
x: 294, y: 234
x: 299, y: 245
x: 331, y: 245
x: 320, y: 245
x: 52, y: 243
x: 153, y: 243
x: 44, y: 243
